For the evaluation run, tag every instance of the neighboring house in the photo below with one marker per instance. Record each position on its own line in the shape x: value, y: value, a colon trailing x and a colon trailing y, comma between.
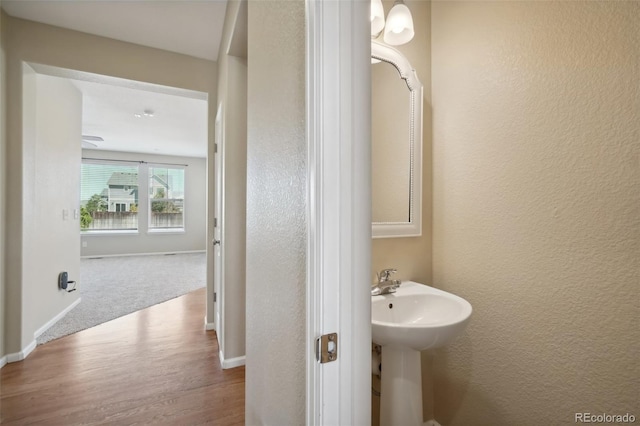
x: 159, y: 186
x: 121, y: 192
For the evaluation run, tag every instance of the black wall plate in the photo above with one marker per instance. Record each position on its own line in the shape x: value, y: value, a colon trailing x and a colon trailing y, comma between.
x: 63, y: 280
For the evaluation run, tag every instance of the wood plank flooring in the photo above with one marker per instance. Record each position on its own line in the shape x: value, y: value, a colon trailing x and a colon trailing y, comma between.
x: 155, y: 366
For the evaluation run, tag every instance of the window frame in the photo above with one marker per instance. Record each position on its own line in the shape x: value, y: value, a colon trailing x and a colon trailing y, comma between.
x: 105, y: 162
x: 174, y: 230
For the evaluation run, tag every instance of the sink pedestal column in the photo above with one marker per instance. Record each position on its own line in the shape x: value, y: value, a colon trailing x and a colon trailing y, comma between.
x: 401, y: 393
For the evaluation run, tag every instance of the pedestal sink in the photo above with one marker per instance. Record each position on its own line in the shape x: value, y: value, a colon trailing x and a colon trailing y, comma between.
x: 414, y: 318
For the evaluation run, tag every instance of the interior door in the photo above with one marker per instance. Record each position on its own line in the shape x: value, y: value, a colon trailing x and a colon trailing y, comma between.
x: 218, y: 264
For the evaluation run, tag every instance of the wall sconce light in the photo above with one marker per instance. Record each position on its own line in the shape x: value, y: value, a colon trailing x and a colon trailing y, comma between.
x: 377, y: 17
x: 398, y: 28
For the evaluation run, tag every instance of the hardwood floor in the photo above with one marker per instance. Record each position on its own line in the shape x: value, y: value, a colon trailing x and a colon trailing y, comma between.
x: 155, y: 366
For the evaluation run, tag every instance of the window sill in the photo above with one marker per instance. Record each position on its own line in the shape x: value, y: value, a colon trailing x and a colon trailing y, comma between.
x: 166, y: 231
x: 108, y: 232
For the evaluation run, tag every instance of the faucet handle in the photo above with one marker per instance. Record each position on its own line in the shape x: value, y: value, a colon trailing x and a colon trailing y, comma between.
x: 385, y: 274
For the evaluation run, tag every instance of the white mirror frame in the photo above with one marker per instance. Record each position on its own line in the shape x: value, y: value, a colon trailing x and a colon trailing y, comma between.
x: 413, y: 228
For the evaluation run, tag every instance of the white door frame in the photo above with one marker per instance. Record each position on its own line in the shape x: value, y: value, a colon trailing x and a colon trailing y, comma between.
x: 338, y: 92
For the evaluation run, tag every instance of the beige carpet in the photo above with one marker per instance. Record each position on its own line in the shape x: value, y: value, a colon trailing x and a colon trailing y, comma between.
x: 111, y: 287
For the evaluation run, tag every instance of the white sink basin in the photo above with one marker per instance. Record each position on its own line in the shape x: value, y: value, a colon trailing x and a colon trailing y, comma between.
x: 414, y: 318
x: 418, y: 317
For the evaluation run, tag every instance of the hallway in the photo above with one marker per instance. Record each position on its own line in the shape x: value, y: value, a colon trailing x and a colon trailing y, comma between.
x: 155, y: 366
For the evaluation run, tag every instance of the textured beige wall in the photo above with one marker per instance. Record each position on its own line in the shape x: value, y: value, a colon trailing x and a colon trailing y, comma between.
x: 276, y: 210
x: 412, y: 256
x: 43, y: 44
x: 232, y: 95
x: 537, y: 209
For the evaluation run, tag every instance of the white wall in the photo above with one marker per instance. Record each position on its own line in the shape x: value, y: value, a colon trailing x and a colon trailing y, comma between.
x: 232, y: 95
x: 194, y: 236
x: 276, y: 209
x: 3, y: 143
x: 43, y: 44
x: 234, y: 237
x: 52, y: 127
x: 537, y: 208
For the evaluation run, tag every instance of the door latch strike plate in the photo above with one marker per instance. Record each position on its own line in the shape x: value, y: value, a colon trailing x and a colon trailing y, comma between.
x: 327, y: 348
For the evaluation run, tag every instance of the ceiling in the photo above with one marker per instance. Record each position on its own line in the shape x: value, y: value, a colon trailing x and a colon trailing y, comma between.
x: 117, y: 114
x: 179, y: 123
x: 190, y: 27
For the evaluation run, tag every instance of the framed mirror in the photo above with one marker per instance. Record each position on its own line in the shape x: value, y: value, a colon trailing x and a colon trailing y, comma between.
x: 396, y: 97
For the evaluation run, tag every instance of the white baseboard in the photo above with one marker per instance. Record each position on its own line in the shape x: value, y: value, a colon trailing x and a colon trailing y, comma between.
x: 209, y: 325
x: 94, y: 256
x: 55, y: 319
x: 231, y: 363
x: 19, y: 356
x: 30, y: 347
x: 24, y: 353
x: 431, y: 423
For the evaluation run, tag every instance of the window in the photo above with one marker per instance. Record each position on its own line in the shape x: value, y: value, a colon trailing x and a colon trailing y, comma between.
x: 108, y: 197
x: 166, y: 198
x: 125, y: 197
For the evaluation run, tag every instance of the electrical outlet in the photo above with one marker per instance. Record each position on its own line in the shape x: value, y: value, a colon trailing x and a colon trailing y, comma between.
x: 65, y: 214
x: 76, y: 214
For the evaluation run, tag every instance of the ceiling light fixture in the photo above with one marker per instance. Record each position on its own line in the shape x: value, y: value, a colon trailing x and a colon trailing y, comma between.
x: 398, y: 28
x: 147, y: 113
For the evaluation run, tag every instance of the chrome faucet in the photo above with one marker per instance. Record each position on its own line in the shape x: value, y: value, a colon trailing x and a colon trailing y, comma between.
x: 385, y: 285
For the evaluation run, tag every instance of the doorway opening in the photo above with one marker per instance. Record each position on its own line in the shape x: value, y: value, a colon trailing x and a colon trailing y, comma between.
x: 142, y: 193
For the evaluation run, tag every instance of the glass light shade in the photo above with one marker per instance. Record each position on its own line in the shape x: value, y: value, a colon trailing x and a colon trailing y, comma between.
x: 377, y: 17
x: 399, y: 28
